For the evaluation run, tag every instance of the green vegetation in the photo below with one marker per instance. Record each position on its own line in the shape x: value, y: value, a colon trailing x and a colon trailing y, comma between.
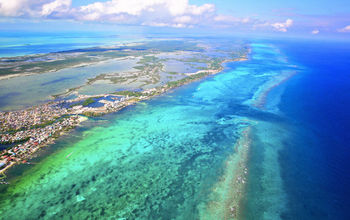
x: 92, y: 114
x: 60, y: 60
x: 188, y: 79
x: 44, y: 66
x: 99, y: 77
x: 88, y: 101
x: 67, y: 92
x: 215, y: 63
x: 128, y: 93
x: 75, y: 104
x: 173, y: 73
x: 167, y: 46
x: 204, y: 59
x: 148, y: 59
x: 56, y: 61
x: 139, y: 67
x: 42, y: 125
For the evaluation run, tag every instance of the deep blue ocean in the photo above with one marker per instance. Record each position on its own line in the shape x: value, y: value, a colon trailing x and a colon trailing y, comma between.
x: 316, y: 163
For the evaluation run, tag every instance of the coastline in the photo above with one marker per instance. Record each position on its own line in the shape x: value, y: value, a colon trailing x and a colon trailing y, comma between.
x: 49, y: 141
x: 148, y: 94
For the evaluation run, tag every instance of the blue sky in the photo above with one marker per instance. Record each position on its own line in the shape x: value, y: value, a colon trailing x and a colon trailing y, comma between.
x: 247, y: 7
x: 306, y: 18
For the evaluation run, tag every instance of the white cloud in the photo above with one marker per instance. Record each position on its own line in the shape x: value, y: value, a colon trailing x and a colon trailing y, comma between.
x: 170, y: 8
x: 160, y: 13
x: 11, y: 8
x: 199, y: 10
x: 344, y: 29
x: 33, y: 8
x: 277, y: 26
x: 231, y: 19
x: 183, y: 19
x: 316, y: 31
x: 173, y: 13
x: 283, y: 27
x: 57, y: 6
x: 14, y: 8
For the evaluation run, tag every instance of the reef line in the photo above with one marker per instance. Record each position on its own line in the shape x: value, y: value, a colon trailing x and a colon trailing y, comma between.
x: 227, y: 193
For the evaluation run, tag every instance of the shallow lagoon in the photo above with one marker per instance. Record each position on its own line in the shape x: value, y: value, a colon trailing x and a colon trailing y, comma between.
x: 24, y: 91
x: 179, y: 67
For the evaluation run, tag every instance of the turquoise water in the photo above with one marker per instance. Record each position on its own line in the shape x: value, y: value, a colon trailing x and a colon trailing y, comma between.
x: 178, y: 156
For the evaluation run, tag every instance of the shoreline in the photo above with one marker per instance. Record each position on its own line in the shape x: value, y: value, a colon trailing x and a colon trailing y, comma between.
x: 49, y: 141
x: 148, y: 94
